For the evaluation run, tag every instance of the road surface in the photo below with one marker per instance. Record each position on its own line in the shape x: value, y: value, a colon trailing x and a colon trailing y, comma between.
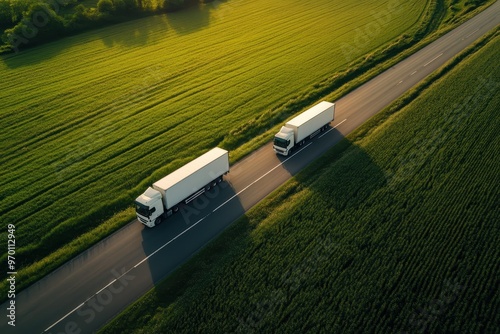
x: 88, y: 291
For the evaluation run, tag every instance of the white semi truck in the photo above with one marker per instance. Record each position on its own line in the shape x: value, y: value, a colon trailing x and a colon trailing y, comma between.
x: 181, y: 186
x: 304, y: 126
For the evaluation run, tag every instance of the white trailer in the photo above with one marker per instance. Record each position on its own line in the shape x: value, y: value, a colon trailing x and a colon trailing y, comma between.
x: 181, y: 186
x: 304, y: 126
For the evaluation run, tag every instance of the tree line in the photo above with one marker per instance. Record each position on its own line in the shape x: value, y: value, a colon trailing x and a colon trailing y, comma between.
x: 26, y: 23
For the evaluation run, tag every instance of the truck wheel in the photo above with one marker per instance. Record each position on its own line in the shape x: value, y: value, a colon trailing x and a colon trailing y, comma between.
x: 157, y: 221
x: 175, y: 208
x: 207, y: 187
x: 219, y: 180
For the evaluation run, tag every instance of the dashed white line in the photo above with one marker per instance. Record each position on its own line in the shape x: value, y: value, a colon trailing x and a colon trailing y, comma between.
x: 169, y: 242
x: 260, y: 178
x: 439, y: 55
x: 412, y: 73
x: 242, y: 190
x: 58, y: 321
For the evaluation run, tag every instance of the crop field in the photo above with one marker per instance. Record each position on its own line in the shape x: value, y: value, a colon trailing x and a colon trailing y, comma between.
x: 393, y: 231
x: 89, y: 121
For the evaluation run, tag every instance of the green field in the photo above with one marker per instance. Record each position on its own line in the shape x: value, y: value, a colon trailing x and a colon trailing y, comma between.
x: 89, y: 121
x: 395, y: 230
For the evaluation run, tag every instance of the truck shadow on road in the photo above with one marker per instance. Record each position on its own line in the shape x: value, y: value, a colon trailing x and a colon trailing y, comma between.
x: 183, y: 234
x: 301, y: 156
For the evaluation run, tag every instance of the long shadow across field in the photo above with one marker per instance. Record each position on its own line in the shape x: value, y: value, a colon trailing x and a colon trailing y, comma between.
x: 135, y: 33
x: 189, y: 20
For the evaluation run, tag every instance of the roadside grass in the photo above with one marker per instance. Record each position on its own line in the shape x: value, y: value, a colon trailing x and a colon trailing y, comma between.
x: 394, y: 229
x: 106, y: 116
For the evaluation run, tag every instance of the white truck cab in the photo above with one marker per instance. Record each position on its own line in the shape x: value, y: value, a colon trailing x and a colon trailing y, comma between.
x: 149, y: 207
x: 284, y: 141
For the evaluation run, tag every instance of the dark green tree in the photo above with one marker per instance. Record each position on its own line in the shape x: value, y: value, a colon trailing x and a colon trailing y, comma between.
x: 5, y: 15
x: 105, y: 6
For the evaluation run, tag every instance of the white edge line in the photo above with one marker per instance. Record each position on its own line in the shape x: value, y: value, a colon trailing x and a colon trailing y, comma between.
x: 439, y: 55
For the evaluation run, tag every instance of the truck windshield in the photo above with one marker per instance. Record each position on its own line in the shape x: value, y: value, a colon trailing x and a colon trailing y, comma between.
x: 281, y: 142
x: 142, y: 209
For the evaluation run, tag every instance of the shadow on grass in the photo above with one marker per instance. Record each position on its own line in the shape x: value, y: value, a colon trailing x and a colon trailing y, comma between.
x: 130, y: 34
x: 135, y: 33
x: 190, y: 20
x: 339, y: 172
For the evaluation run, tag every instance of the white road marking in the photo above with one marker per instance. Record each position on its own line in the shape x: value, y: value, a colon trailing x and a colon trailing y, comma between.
x: 332, y: 128
x: 169, y: 242
x: 242, y: 190
x: 95, y: 294
x: 412, y: 73
x: 98, y: 292
x: 439, y: 55
x: 73, y: 310
x: 399, y: 83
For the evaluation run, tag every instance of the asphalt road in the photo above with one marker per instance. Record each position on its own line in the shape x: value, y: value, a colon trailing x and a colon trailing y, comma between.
x: 88, y: 291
